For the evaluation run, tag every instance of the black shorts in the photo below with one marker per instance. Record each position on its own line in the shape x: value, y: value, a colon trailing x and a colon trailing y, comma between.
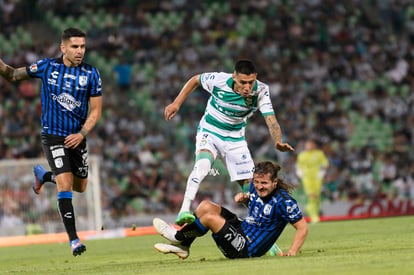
x: 231, y: 239
x: 62, y: 159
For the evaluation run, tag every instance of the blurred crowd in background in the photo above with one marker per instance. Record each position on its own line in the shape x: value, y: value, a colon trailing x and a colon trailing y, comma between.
x: 341, y: 72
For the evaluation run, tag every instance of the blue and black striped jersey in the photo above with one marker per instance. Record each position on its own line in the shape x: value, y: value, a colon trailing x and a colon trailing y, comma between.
x: 267, y: 218
x: 65, y: 94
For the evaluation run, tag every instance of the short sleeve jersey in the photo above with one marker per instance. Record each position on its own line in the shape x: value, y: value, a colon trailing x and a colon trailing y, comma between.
x: 65, y: 94
x: 267, y: 218
x: 227, y: 111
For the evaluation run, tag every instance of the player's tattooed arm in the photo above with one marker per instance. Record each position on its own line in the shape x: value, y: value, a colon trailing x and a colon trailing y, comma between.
x: 12, y: 74
x: 274, y: 128
x: 276, y: 134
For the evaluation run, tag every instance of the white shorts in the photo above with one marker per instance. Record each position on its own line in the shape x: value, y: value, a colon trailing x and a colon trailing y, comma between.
x: 235, y: 154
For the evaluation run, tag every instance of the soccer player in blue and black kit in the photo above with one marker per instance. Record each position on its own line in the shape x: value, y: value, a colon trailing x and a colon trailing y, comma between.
x: 71, y: 99
x: 270, y: 209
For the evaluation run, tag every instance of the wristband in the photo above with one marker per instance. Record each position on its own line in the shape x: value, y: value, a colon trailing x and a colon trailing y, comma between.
x: 83, y: 132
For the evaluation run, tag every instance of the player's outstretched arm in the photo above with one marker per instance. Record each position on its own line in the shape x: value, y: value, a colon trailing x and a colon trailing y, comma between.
x: 300, y: 236
x: 276, y: 134
x: 12, y: 74
x: 172, y: 109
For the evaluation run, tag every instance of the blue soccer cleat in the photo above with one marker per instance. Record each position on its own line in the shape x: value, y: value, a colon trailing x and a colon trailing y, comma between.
x: 39, y: 172
x: 77, y: 247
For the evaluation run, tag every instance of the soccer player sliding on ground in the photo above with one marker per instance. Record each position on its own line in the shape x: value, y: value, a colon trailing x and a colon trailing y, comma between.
x: 270, y: 209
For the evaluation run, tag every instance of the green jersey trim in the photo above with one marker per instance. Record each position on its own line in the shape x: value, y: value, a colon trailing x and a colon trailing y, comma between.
x: 268, y: 114
x: 225, y: 126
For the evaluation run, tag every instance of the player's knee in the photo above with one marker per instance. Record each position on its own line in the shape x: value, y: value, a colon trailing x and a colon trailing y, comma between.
x: 202, y: 167
x: 209, y: 219
x: 206, y: 207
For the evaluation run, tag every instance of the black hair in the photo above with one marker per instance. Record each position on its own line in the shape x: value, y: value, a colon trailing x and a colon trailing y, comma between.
x: 245, y: 66
x: 72, y: 32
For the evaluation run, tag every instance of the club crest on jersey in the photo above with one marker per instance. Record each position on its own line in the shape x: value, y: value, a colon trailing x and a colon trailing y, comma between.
x: 267, y: 209
x: 248, y: 100
x: 83, y: 80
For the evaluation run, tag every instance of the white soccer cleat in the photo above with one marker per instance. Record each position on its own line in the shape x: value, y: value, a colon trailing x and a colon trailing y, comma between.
x: 181, y: 251
x: 166, y: 230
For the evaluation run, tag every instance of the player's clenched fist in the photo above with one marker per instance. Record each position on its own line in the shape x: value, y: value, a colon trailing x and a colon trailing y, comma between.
x: 241, y: 197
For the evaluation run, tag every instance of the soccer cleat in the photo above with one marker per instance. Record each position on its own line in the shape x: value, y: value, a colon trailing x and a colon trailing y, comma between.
x: 77, y: 247
x: 39, y: 171
x: 166, y: 230
x: 275, y: 251
x: 184, y: 217
x: 181, y: 251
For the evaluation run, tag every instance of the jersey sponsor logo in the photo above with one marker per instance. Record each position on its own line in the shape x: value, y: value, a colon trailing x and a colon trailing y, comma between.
x: 54, y: 64
x: 55, y: 74
x: 242, y: 162
x: 71, y: 76
x: 67, y: 101
x: 59, y: 152
x: 67, y: 86
x: 229, y: 108
x: 231, y: 113
x: 208, y: 76
x: 205, y: 77
x: 292, y: 210
x: 52, y: 82
x: 238, y: 242
x: 87, y: 71
x: 243, y: 172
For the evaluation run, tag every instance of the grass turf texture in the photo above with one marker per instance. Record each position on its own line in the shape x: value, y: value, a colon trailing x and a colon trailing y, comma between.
x: 372, y: 246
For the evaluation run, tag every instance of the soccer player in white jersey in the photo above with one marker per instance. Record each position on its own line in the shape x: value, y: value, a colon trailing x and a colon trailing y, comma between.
x: 234, y: 97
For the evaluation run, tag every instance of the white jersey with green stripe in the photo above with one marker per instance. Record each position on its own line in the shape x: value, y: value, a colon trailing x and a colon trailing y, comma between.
x: 227, y: 111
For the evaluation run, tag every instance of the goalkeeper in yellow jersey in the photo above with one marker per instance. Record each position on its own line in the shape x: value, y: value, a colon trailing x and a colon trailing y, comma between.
x: 311, y: 166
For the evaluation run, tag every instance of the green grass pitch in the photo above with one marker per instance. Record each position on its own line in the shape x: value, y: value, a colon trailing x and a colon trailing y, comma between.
x: 371, y: 246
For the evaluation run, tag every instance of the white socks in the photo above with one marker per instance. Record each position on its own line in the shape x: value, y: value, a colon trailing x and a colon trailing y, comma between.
x: 201, y: 169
